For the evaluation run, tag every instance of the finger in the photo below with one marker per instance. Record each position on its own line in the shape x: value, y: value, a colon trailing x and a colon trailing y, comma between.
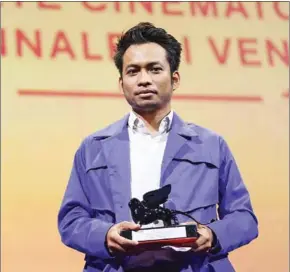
x: 123, y: 241
x: 203, y: 248
x: 201, y: 240
x: 203, y: 231
x: 115, y: 248
x: 128, y: 226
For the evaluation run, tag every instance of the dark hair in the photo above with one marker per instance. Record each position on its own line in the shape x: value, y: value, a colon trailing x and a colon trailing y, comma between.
x: 146, y: 33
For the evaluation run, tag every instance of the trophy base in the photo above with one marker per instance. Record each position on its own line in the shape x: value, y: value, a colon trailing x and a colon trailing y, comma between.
x: 180, y: 235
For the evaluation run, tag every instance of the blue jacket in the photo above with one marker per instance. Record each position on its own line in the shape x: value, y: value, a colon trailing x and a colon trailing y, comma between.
x: 204, y: 178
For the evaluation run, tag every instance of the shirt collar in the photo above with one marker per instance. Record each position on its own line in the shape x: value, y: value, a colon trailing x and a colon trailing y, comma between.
x: 138, y: 125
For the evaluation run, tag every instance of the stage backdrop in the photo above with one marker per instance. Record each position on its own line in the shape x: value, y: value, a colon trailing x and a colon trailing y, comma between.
x: 59, y: 84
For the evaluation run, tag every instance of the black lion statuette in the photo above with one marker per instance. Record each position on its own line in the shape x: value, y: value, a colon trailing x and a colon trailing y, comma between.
x: 149, y: 210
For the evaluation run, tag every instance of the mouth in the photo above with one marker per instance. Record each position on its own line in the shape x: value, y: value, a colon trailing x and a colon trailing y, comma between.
x: 146, y: 92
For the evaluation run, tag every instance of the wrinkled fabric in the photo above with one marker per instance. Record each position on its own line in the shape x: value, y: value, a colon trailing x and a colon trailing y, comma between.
x: 205, y: 181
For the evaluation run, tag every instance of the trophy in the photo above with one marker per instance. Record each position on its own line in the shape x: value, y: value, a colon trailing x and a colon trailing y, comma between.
x: 150, y: 210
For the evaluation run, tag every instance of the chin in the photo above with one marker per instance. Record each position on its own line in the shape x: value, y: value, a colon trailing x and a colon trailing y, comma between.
x: 146, y: 107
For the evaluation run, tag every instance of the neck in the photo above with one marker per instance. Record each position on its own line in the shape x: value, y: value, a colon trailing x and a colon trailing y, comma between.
x: 152, y: 120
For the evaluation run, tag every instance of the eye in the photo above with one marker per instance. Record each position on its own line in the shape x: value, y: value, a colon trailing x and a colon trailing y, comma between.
x: 132, y: 72
x: 156, y: 70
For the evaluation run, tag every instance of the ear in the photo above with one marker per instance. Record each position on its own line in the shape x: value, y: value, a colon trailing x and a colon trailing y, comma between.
x: 175, y: 80
x: 121, y: 84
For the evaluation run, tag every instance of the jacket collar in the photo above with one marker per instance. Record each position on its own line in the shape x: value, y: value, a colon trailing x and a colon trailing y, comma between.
x: 178, y: 125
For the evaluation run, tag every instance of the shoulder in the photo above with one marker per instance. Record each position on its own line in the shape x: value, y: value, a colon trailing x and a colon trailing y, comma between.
x: 91, y: 144
x: 205, y: 134
x: 106, y: 132
x: 209, y: 140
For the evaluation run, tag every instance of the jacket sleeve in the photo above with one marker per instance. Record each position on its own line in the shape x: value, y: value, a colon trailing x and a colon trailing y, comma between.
x: 237, y: 224
x: 79, y: 228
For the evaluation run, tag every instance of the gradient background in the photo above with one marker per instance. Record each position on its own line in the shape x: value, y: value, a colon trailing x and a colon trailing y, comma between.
x: 41, y: 131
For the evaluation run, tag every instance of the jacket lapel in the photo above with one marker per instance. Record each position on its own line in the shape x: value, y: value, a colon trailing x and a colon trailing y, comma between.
x: 118, y: 158
x: 117, y: 155
x: 177, y: 140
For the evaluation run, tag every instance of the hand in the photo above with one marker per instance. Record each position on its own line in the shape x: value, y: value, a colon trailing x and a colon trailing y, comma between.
x: 205, y: 241
x: 116, y: 243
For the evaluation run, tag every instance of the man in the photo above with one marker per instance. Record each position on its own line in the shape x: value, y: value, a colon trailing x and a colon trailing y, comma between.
x: 147, y: 149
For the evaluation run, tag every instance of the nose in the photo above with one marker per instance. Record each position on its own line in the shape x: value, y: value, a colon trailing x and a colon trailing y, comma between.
x: 144, y: 78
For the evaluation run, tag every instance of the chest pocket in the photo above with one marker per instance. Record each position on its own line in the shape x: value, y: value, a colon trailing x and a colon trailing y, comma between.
x: 98, y: 189
x: 195, y: 186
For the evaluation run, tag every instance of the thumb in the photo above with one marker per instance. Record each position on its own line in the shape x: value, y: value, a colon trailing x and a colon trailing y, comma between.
x: 129, y: 226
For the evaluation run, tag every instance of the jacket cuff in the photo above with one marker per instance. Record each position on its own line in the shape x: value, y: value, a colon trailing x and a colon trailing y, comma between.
x: 100, y: 237
x: 110, y: 256
x: 216, y: 247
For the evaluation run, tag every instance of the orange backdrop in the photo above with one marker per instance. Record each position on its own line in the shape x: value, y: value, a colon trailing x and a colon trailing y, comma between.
x: 59, y: 84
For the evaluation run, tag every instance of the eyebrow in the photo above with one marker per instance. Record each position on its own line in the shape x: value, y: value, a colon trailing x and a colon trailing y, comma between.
x: 147, y: 65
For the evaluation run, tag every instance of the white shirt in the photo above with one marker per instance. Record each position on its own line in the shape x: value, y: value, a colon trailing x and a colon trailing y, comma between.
x: 146, y: 155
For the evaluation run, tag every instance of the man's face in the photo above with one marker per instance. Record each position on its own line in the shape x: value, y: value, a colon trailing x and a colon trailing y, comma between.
x: 146, y: 80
